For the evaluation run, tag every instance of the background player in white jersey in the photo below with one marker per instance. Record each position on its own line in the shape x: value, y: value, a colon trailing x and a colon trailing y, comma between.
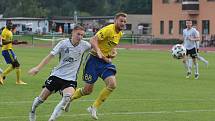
x: 63, y: 77
x: 200, y: 58
x: 190, y: 37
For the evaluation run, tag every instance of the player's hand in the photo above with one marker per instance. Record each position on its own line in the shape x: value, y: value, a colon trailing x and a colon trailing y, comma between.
x: 112, y: 54
x: 15, y: 42
x: 108, y: 60
x: 33, y: 71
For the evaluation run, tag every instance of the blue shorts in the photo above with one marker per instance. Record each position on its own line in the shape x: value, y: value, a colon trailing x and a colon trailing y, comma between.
x: 96, y: 67
x: 9, y: 56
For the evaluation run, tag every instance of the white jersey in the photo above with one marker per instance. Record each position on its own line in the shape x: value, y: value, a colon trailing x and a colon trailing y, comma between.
x: 70, y: 59
x: 189, y: 44
x: 197, y: 42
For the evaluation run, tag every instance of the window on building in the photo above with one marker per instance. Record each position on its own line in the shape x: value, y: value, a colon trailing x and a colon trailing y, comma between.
x: 165, y: 1
x: 146, y: 28
x: 190, y: 0
x: 194, y: 22
x: 128, y: 26
x: 182, y: 25
x: 170, y: 27
x: 205, y: 27
x: 178, y: 1
x: 161, y: 27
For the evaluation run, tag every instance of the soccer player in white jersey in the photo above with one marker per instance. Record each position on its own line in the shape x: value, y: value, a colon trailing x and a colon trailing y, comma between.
x: 200, y: 58
x: 190, y: 37
x: 63, y: 77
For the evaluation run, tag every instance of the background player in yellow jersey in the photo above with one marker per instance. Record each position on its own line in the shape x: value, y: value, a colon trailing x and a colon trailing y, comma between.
x: 99, y: 62
x: 1, y: 71
x: 9, y: 55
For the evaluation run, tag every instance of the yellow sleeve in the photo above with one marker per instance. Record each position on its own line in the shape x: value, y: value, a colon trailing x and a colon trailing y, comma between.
x: 3, y: 35
x: 103, y: 33
x: 7, y: 36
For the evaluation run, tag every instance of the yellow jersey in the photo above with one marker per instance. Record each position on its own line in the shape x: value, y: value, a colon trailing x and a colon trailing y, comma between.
x: 108, y: 38
x: 7, y: 35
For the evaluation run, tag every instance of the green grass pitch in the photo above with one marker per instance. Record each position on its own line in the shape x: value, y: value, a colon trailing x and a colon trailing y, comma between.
x: 151, y: 86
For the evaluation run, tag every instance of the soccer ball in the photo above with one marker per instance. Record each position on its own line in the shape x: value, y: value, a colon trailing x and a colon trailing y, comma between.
x: 178, y: 51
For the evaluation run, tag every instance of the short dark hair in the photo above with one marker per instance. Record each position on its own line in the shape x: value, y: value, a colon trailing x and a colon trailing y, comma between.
x: 189, y: 20
x: 120, y: 14
x: 9, y: 24
x: 79, y: 27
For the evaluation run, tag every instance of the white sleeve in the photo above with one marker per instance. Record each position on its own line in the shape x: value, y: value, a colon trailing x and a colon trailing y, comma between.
x: 56, y: 50
x: 195, y: 33
x: 183, y: 33
x: 198, y: 34
x: 87, y: 45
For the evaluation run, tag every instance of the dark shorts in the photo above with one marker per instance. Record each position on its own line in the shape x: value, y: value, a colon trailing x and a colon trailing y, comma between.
x: 96, y: 67
x: 9, y: 56
x: 54, y: 83
x: 192, y: 53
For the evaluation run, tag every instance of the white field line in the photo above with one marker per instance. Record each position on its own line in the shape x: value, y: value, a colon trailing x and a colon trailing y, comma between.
x: 114, y: 100
x: 119, y: 113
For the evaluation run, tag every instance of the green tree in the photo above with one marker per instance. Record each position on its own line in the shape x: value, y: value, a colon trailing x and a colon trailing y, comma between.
x: 49, y: 8
x: 29, y: 8
x: 137, y: 6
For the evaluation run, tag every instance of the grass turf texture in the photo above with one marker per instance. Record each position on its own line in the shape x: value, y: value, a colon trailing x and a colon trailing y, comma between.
x: 151, y: 86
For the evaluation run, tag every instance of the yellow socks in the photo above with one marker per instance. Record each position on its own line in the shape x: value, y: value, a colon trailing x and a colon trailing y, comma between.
x: 18, y: 73
x: 7, y: 70
x: 102, y: 97
x: 78, y: 93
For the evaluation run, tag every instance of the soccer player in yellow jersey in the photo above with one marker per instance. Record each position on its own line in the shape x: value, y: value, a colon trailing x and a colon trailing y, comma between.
x: 99, y: 63
x: 1, y: 71
x: 9, y: 55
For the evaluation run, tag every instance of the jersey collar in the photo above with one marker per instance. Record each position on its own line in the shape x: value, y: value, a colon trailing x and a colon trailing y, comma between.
x: 74, y: 45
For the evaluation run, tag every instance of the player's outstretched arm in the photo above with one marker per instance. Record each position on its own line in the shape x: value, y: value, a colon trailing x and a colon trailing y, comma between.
x: 5, y: 42
x: 94, y: 44
x: 33, y: 71
x: 196, y: 38
x: 17, y: 42
x: 44, y: 62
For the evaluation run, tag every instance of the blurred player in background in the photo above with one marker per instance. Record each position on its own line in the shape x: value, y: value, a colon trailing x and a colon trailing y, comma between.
x: 8, y: 53
x: 63, y: 77
x: 200, y: 58
x: 99, y: 62
x: 1, y: 71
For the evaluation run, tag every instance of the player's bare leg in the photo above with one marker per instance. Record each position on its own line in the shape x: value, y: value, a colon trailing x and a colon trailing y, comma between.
x: 196, y: 66
x: 1, y: 77
x: 186, y: 65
